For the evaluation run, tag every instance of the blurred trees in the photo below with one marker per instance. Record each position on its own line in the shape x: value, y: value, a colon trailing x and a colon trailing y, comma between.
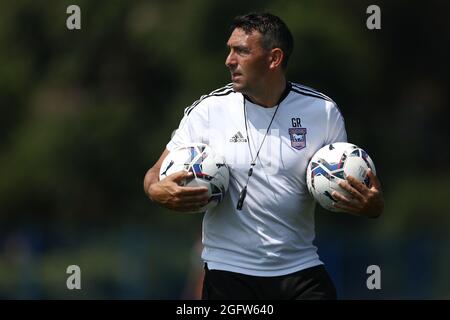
x: 85, y: 113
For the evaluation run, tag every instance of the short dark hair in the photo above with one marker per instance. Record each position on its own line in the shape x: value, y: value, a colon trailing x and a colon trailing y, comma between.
x: 275, y: 33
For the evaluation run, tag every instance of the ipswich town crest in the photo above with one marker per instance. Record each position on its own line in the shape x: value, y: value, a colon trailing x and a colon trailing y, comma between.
x: 298, y: 138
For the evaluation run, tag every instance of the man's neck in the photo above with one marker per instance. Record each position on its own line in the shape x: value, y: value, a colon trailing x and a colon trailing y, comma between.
x: 271, y: 95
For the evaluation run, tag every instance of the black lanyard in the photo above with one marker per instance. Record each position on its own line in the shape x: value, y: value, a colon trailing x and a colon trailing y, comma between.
x: 243, y: 193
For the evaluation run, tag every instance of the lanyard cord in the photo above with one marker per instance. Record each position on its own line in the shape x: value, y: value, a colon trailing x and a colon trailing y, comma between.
x: 243, y: 193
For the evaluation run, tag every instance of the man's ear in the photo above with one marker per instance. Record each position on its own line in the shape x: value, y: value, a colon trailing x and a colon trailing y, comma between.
x: 276, y: 58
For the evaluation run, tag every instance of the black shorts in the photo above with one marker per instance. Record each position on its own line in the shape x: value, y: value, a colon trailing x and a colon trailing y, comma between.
x: 308, y: 284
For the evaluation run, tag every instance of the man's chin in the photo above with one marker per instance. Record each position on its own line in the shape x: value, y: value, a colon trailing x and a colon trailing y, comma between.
x: 238, y: 86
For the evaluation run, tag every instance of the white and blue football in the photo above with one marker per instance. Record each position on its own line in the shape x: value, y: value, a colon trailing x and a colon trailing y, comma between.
x: 209, y: 169
x: 332, y: 163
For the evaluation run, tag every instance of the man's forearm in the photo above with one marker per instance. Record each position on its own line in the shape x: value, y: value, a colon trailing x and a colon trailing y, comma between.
x: 151, y: 177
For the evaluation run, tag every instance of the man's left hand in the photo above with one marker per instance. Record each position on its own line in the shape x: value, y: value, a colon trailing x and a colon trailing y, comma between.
x: 364, y: 201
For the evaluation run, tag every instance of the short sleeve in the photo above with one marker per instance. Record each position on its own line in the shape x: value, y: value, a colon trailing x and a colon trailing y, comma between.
x: 193, y: 127
x: 336, y: 125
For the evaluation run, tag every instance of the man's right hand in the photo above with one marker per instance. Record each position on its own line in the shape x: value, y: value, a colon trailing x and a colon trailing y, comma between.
x: 170, y: 194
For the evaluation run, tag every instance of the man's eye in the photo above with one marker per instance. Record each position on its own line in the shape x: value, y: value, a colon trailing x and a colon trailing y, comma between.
x: 241, y: 50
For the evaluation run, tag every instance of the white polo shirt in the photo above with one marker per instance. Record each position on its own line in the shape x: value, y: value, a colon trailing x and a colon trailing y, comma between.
x: 273, y: 233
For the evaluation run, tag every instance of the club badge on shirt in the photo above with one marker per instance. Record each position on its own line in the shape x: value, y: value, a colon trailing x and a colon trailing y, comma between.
x: 298, y: 138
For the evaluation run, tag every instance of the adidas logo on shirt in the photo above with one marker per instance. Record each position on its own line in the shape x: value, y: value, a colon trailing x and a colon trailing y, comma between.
x: 238, y: 137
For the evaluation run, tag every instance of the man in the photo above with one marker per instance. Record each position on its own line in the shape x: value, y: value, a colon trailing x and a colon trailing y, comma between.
x: 258, y: 243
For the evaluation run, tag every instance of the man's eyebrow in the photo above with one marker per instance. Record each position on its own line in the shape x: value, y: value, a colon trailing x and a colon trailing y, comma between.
x: 236, y: 46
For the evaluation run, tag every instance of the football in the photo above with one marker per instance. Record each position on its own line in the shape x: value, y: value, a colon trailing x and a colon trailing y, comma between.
x: 208, y: 167
x: 332, y: 163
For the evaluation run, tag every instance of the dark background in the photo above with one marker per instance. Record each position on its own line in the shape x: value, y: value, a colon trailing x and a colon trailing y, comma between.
x: 84, y: 114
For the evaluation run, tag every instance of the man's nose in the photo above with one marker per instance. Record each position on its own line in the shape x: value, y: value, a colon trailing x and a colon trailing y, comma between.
x: 230, y: 61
